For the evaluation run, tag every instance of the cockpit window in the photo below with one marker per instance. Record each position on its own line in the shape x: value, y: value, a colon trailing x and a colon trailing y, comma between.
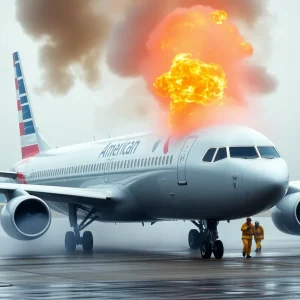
x: 221, y: 154
x: 243, y: 152
x: 209, y: 155
x: 268, y: 152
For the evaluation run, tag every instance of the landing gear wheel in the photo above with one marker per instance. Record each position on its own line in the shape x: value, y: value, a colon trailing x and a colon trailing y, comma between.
x: 194, y: 239
x: 70, y: 241
x: 87, y: 241
x: 218, y: 249
x: 206, y: 250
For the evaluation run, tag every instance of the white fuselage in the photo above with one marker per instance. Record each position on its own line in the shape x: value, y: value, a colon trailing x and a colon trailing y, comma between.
x: 166, y: 177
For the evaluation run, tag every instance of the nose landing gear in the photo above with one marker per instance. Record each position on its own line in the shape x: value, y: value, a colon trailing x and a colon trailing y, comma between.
x: 206, y: 239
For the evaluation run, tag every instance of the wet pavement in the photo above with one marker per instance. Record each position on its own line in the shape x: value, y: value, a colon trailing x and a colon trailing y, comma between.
x: 132, y: 268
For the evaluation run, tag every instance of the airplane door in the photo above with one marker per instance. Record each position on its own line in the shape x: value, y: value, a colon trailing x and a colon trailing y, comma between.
x: 181, y: 165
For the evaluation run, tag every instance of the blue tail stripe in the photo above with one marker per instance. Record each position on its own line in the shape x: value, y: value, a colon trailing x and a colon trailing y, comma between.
x: 28, y: 124
x: 28, y: 127
x: 29, y: 130
x: 18, y: 70
x: 23, y: 100
x: 21, y: 87
x: 16, y: 56
x: 26, y: 112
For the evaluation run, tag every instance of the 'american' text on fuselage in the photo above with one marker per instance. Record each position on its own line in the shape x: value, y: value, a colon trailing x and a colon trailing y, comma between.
x: 128, y: 147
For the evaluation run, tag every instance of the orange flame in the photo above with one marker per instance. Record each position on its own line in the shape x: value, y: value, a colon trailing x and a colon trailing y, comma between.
x: 191, y: 81
x: 196, y: 62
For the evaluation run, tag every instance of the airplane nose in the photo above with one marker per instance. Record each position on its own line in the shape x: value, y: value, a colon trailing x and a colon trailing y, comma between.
x: 267, y: 183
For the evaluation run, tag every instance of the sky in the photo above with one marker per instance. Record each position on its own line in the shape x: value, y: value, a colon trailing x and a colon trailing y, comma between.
x: 86, y: 114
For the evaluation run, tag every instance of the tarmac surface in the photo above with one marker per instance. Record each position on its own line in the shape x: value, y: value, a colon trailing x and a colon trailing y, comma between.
x: 150, y: 262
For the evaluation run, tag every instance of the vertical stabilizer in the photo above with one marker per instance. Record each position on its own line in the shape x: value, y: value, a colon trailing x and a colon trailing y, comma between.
x: 31, y: 141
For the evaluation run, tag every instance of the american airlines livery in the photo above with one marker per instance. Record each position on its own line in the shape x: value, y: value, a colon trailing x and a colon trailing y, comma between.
x: 213, y: 174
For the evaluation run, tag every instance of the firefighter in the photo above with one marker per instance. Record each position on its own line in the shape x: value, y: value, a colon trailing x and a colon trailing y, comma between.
x: 258, y: 236
x: 247, y: 236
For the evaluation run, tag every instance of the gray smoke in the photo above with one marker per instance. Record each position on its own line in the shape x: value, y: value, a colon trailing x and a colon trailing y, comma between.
x: 71, y: 32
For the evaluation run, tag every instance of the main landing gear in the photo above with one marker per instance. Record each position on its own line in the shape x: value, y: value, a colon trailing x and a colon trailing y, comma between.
x: 206, y: 239
x: 73, y: 238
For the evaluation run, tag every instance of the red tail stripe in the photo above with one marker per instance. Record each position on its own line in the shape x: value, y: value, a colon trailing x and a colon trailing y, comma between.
x: 19, y: 105
x: 29, y: 151
x: 21, y: 127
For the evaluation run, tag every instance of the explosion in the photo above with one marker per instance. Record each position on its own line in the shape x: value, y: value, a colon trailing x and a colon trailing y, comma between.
x: 191, y: 81
x: 190, y: 53
x: 203, y: 52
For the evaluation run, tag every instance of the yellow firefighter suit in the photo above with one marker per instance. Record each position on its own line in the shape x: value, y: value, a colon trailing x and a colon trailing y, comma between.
x: 258, y: 236
x: 247, y: 236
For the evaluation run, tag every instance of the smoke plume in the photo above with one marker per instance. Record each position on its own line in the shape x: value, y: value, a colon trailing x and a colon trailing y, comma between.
x: 75, y: 33
x: 72, y: 33
x: 153, y: 32
x: 127, y: 44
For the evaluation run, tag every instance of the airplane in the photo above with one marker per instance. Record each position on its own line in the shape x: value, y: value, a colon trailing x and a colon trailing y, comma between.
x: 215, y: 173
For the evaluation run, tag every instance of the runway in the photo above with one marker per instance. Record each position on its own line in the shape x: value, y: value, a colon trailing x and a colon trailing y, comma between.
x: 135, y: 262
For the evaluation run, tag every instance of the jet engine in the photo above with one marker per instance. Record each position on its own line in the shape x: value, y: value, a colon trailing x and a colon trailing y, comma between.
x: 286, y: 214
x: 25, y: 217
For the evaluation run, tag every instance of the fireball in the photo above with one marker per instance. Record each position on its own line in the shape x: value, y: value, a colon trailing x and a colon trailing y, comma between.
x: 196, y: 54
x: 191, y: 81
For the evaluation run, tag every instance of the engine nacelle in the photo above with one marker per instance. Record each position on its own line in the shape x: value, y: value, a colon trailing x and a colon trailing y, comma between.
x: 286, y: 214
x: 25, y: 217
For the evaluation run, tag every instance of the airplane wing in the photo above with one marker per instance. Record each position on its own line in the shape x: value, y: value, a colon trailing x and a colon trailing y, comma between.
x: 95, y: 195
x: 294, y: 187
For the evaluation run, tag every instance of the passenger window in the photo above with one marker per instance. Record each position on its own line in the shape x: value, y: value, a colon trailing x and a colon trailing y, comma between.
x: 209, y: 155
x: 221, y: 154
x: 159, y: 161
x: 167, y: 160
x: 163, y: 160
x: 128, y: 164
x: 149, y: 160
x: 121, y: 166
x: 243, y: 152
x: 171, y: 160
x: 152, y: 163
x: 156, y: 159
x: 138, y: 163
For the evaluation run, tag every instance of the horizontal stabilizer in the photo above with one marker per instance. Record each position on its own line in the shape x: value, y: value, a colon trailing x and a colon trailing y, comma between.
x: 11, y: 175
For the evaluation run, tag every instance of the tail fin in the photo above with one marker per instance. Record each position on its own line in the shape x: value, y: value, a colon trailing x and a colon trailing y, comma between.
x: 31, y: 141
